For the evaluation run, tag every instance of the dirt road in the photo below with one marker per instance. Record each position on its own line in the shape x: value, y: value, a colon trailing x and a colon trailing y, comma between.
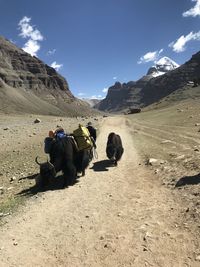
x: 114, y: 216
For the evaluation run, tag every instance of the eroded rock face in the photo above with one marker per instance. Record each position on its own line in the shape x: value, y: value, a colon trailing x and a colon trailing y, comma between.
x: 120, y: 96
x: 27, y: 85
x: 19, y: 69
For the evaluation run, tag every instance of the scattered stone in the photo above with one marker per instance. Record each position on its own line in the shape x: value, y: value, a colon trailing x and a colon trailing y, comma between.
x: 37, y: 120
x: 162, y: 162
x: 7, y: 128
x: 12, y: 178
x: 166, y: 141
x: 2, y: 190
x: 152, y: 161
x: 10, y: 188
x: 197, y: 124
x: 180, y: 157
x: 197, y: 258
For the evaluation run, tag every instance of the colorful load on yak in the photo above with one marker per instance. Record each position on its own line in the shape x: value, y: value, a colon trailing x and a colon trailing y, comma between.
x: 82, y: 137
x: 56, y: 135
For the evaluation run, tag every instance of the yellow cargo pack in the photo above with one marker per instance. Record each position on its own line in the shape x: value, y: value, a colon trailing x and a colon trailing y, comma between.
x: 82, y: 137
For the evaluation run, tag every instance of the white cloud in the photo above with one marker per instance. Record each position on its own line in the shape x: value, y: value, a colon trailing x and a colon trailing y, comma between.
x: 56, y: 66
x: 194, y: 11
x: 28, y: 31
x: 81, y: 94
x: 31, y: 47
x: 114, y: 78
x: 179, y: 45
x: 51, y: 52
x: 150, y: 56
x: 105, y: 90
x: 96, y: 97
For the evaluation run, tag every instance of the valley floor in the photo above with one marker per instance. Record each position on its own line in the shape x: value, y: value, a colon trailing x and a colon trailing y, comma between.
x: 114, y: 216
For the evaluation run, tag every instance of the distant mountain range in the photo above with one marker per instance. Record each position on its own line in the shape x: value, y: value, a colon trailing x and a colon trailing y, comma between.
x: 161, y: 80
x: 91, y: 101
x: 28, y: 85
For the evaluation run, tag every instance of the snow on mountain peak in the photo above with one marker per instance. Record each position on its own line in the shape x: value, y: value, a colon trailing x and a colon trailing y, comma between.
x: 166, y: 62
x: 162, y: 66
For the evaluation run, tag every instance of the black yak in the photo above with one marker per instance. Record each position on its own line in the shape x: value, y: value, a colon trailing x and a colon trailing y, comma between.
x: 114, y: 148
x: 64, y: 157
x: 47, y: 173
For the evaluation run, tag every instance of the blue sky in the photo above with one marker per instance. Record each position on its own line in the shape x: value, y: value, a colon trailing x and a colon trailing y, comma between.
x: 94, y: 43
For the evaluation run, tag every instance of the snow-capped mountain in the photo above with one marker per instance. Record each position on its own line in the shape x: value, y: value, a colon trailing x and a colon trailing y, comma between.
x: 162, y: 66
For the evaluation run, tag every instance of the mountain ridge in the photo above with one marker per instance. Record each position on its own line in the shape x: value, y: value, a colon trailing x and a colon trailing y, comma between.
x: 147, y: 90
x: 26, y: 81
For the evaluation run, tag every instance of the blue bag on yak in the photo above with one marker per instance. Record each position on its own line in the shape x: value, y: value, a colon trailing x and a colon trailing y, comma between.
x: 48, y: 141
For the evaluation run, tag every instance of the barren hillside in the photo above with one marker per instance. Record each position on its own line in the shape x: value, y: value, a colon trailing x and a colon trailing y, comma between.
x: 28, y: 85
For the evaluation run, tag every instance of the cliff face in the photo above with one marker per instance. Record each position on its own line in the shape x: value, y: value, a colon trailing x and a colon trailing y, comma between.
x: 148, y: 90
x: 27, y: 83
x: 19, y: 69
x: 120, y: 96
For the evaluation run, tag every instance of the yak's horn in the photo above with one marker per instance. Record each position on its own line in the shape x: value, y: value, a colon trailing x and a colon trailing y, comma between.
x: 50, y: 162
x: 36, y: 160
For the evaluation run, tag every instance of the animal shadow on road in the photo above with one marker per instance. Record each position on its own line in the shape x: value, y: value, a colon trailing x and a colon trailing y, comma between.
x: 186, y: 180
x: 55, y: 184
x: 101, y: 166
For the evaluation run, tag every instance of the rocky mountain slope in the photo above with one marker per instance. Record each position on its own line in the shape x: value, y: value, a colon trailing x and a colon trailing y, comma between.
x: 28, y: 85
x: 91, y: 101
x: 148, y: 89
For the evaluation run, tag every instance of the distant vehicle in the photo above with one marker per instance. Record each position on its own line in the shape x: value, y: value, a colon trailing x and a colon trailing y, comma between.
x: 133, y: 110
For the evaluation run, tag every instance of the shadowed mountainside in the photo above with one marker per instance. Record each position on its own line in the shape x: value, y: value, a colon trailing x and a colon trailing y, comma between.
x: 148, y: 90
x: 30, y: 86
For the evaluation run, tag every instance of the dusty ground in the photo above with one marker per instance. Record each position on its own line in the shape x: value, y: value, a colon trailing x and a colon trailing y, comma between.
x: 130, y: 215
